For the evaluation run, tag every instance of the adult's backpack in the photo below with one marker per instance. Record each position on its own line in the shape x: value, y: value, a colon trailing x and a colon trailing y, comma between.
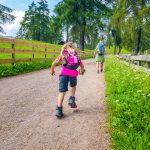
x: 100, y: 48
x: 70, y: 60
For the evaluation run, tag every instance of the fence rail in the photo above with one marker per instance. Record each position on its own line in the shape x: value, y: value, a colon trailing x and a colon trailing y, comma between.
x: 49, y: 52
x: 138, y: 59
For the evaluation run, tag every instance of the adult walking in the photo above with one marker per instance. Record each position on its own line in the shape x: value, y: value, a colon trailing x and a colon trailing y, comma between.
x: 99, y: 55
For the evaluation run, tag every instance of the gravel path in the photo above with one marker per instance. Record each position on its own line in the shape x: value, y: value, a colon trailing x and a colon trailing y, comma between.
x: 27, y: 113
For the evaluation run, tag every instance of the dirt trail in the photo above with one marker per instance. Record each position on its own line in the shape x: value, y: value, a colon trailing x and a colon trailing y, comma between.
x: 27, y: 113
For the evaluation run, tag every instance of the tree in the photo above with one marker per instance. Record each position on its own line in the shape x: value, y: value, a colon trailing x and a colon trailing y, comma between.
x: 80, y: 15
x: 5, y: 16
x: 35, y: 24
x: 55, y: 35
x: 42, y: 21
x: 129, y: 20
x: 28, y: 27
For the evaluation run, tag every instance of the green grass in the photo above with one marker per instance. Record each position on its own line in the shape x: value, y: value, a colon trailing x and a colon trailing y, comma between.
x: 111, y: 51
x: 128, y: 103
x: 19, y: 68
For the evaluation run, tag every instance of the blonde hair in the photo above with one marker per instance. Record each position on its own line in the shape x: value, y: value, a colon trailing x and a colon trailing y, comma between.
x: 68, y: 44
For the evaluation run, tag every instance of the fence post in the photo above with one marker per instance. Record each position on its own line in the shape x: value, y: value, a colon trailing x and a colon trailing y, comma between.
x: 148, y: 65
x: 33, y: 52
x: 139, y: 63
x: 54, y: 53
x: 13, y: 52
x: 45, y: 53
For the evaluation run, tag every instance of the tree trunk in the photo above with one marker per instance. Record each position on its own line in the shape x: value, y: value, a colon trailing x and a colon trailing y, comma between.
x: 119, y: 49
x: 115, y: 49
x: 67, y: 30
x: 137, y: 40
x: 82, y: 33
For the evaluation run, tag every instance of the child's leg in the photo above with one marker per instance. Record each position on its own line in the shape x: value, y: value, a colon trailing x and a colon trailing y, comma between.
x: 98, y: 65
x: 60, y: 98
x: 101, y: 66
x: 73, y: 83
x: 63, y: 87
x: 73, y: 91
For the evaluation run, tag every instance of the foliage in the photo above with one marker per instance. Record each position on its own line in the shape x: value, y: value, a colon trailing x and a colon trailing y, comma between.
x: 130, y: 21
x: 9, y: 70
x: 128, y: 103
x: 35, y: 24
x: 80, y: 16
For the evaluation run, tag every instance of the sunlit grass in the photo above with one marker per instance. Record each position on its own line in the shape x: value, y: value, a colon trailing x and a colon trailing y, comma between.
x: 128, y: 103
x: 111, y: 51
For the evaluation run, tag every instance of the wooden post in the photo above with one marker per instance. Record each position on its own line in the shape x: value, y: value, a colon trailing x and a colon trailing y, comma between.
x: 148, y: 65
x: 45, y: 54
x: 54, y: 52
x: 33, y: 52
x: 139, y: 63
x: 13, y: 52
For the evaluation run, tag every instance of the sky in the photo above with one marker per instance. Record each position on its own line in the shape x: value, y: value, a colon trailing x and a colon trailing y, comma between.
x: 19, y: 7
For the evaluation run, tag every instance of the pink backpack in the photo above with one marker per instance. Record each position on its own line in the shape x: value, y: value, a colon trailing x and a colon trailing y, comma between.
x: 71, y: 60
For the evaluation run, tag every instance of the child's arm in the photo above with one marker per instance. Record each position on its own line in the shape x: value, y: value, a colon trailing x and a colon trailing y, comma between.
x: 55, y: 62
x: 104, y: 51
x: 95, y: 51
x: 81, y: 70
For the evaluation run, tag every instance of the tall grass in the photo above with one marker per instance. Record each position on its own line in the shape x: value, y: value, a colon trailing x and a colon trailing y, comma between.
x: 128, y: 103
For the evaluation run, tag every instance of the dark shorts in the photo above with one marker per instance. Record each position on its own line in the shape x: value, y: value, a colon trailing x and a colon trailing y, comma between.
x: 63, y: 82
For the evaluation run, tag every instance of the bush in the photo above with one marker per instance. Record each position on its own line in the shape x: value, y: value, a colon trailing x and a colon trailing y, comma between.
x: 9, y: 70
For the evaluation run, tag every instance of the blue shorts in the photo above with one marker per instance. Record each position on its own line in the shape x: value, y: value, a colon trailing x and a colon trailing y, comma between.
x: 63, y: 82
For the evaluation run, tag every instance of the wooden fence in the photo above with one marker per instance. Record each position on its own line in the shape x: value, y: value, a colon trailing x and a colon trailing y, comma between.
x: 49, y: 52
x: 138, y: 59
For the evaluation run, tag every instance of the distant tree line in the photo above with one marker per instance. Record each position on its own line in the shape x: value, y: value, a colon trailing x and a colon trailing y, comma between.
x: 125, y: 23
x: 37, y: 24
x: 79, y: 20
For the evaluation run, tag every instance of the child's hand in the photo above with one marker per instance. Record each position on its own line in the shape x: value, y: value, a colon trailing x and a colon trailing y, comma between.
x: 52, y: 72
x: 81, y: 71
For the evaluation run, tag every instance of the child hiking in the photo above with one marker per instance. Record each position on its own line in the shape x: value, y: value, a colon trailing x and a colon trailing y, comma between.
x: 70, y: 61
x: 99, y: 53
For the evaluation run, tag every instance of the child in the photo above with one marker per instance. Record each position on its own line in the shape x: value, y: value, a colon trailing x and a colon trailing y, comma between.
x: 68, y: 73
x: 99, y: 53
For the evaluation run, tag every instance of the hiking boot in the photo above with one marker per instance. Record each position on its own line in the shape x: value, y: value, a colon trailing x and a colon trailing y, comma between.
x: 71, y: 102
x: 59, y: 112
x: 101, y: 70
x: 98, y: 71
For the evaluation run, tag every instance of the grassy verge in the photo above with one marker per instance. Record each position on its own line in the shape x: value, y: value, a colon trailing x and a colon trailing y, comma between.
x: 128, y: 103
x: 9, y: 70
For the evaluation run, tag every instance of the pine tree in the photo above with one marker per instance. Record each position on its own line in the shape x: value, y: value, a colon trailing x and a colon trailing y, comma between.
x: 28, y: 24
x: 35, y: 24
